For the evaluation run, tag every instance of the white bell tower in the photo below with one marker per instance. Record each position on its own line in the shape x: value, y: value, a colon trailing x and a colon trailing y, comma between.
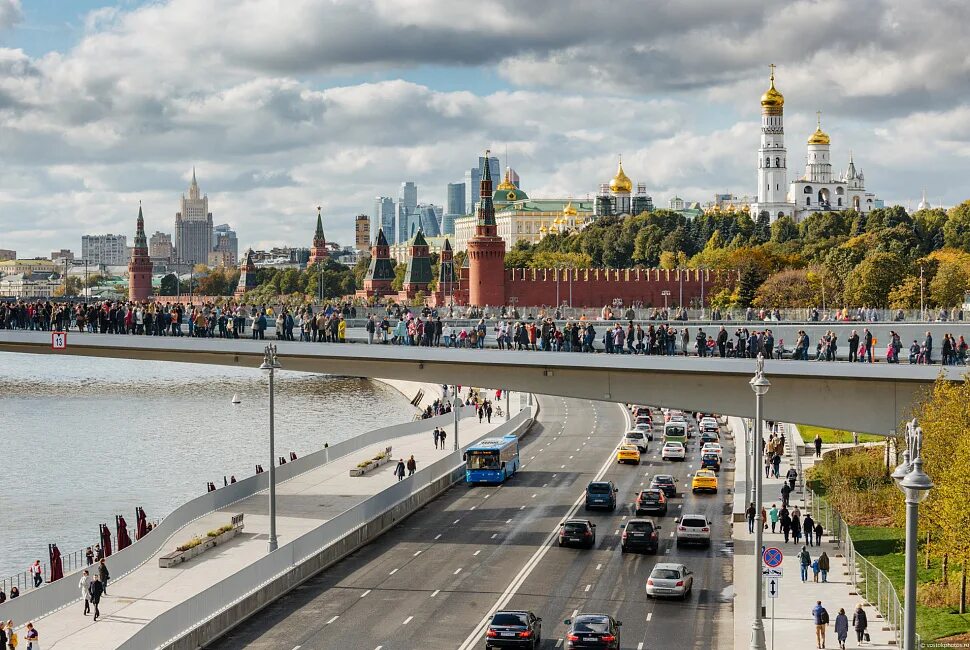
x: 772, y: 156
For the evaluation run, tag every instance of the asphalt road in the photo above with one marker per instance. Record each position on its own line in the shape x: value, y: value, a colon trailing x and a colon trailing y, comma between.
x: 429, y: 582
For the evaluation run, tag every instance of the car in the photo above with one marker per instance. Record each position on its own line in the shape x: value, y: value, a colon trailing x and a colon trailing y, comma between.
x: 704, y: 480
x: 694, y: 529
x: 640, y: 535
x: 709, y: 424
x: 592, y: 631
x: 628, y: 454
x: 601, y: 494
x: 664, y: 483
x: 709, y: 436
x: 513, y: 629
x: 712, y: 448
x: 652, y: 500
x: 577, y: 532
x: 712, y: 461
x: 637, y: 438
x: 670, y: 580
x: 645, y: 429
x: 675, y: 432
x: 673, y: 451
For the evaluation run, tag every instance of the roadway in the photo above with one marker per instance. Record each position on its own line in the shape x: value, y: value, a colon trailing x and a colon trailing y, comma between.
x: 432, y: 580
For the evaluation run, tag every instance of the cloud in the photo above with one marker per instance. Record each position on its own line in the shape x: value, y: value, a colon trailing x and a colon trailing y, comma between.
x: 11, y: 13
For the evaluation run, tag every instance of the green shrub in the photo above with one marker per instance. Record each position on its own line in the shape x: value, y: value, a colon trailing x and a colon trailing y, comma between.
x: 219, y: 531
x: 192, y: 543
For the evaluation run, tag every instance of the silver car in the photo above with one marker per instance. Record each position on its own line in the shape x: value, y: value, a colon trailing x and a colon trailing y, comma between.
x: 670, y: 580
x: 694, y: 529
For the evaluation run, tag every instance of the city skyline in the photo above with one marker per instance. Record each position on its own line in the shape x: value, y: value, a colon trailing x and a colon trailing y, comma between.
x: 83, y: 137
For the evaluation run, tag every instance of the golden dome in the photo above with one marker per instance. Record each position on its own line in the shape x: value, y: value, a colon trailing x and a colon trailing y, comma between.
x: 543, y: 230
x: 621, y: 183
x: 772, y: 100
x: 569, y: 210
x: 507, y: 183
x: 731, y: 208
x: 820, y: 136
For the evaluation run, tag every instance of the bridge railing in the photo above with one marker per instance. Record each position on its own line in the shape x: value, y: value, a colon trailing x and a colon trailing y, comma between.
x: 206, y: 605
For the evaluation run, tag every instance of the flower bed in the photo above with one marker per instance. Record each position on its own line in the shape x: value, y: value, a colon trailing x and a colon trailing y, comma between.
x: 370, y: 464
x: 199, y: 545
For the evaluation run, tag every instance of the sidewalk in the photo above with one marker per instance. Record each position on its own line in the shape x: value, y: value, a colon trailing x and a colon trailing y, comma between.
x: 793, y: 624
x: 303, y: 503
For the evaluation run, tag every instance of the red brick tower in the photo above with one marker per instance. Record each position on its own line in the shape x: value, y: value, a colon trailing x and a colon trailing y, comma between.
x: 319, y: 252
x: 486, y: 251
x: 140, y: 266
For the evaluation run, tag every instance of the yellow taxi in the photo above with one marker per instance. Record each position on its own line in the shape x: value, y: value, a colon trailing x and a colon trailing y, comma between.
x: 704, y: 480
x: 628, y: 454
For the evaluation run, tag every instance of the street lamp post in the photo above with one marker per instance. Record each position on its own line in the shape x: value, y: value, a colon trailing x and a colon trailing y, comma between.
x: 270, y: 363
x: 915, y: 484
x: 760, y: 386
x: 455, y: 406
x: 665, y: 293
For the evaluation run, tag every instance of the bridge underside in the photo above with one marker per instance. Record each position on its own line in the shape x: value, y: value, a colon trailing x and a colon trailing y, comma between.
x: 856, y: 397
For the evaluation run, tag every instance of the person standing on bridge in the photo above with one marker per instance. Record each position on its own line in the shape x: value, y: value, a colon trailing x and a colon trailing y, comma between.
x: 104, y: 576
x: 399, y: 470
x: 412, y: 466
x: 441, y: 436
x: 773, y: 515
x: 841, y: 627
x: 436, y: 435
x: 818, y: 445
x: 96, y: 591
x: 84, y: 585
x: 821, y: 617
x: 750, y: 513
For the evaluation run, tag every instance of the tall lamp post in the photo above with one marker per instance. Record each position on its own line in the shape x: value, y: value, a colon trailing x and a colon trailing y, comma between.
x: 665, y: 293
x: 760, y: 386
x: 270, y: 363
x: 916, y: 485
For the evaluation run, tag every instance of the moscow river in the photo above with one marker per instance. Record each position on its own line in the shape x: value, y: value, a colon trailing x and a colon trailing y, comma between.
x: 85, y: 439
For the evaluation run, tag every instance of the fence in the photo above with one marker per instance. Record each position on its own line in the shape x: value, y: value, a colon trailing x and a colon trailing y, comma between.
x: 871, y: 583
x: 794, y: 447
x: 192, y: 613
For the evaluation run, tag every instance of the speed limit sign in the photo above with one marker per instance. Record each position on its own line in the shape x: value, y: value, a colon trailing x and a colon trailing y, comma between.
x: 59, y: 340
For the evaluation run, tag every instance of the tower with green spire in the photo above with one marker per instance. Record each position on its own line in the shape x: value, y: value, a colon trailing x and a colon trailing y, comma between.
x: 140, y: 265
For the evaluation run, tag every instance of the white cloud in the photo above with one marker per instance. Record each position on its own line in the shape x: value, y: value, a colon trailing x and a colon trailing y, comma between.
x: 11, y: 13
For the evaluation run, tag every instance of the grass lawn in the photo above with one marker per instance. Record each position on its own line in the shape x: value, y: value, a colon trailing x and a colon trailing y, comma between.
x: 831, y: 436
x: 885, y: 547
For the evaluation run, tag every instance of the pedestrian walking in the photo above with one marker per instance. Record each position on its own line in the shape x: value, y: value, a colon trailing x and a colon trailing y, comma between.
x: 11, y: 635
x: 791, y: 476
x: 412, y: 465
x: 3, y: 637
x: 818, y: 445
x: 750, y: 513
x: 796, y: 527
x: 818, y: 533
x: 773, y: 515
x: 488, y: 412
x: 399, y: 470
x: 442, y: 437
x: 804, y: 561
x: 821, y: 617
x: 775, y: 464
x: 104, y: 576
x: 824, y: 564
x: 32, y: 637
x: 859, y: 623
x: 481, y: 413
x: 89, y: 556
x: 436, y: 436
x: 785, y: 520
x: 84, y: 585
x: 809, y: 527
x: 841, y: 627
x: 37, y: 573
x: 815, y: 570
x: 785, y: 495
x: 95, y: 591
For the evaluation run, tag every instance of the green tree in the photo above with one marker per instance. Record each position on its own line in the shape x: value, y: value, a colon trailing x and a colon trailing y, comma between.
x: 956, y: 230
x: 869, y: 283
x: 762, y: 228
x: 906, y: 294
x: 169, y: 285
x: 949, y: 285
x: 399, y: 272
x: 784, y: 229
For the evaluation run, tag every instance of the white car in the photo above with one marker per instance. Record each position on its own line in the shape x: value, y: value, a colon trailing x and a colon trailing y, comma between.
x: 713, y: 448
x: 636, y: 438
x: 670, y: 580
x: 710, y: 424
x: 694, y: 529
x: 673, y: 451
x: 645, y: 429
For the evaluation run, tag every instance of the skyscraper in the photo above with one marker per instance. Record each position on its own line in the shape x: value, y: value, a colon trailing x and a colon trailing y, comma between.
x: 456, y: 199
x: 383, y: 216
x: 408, y: 195
x: 402, y: 217
x: 226, y: 243
x: 193, y: 227
x: 362, y: 232
x: 473, y: 180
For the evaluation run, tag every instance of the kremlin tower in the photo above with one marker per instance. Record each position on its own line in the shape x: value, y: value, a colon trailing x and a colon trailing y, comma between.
x: 380, y: 273
x: 319, y: 251
x: 140, y: 266
x: 486, y: 251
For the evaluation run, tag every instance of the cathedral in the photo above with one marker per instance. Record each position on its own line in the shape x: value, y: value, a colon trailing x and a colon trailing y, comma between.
x: 819, y: 189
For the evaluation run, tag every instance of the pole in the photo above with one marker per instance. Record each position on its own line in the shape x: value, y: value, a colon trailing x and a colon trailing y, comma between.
x: 455, y: 407
x: 760, y: 386
x: 909, y: 602
x: 773, y: 623
x: 507, y: 414
x: 921, y: 308
x: 273, y: 545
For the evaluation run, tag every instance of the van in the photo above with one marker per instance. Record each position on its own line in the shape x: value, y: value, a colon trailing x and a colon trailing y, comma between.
x: 675, y: 432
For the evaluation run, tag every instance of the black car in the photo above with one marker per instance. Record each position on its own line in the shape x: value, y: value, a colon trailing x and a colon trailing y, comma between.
x: 640, y: 535
x: 592, y: 631
x: 514, y: 629
x: 709, y: 436
x: 666, y: 483
x: 577, y: 532
x: 652, y: 500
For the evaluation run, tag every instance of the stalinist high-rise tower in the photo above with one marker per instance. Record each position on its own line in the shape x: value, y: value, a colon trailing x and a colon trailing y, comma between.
x: 193, y: 228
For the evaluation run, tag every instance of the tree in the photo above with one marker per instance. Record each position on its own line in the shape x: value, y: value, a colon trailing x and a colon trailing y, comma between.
x: 672, y: 260
x: 790, y: 288
x: 956, y: 230
x: 906, y: 294
x: 399, y: 272
x: 169, y: 285
x: 762, y: 228
x: 949, y: 285
x: 783, y: 230
x: 870, y: 283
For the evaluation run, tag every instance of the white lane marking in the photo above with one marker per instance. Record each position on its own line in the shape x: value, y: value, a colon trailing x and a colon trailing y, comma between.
x: 365, y: 593
x: 417, y: 553
x: 559, y: 643
x: 562, y: 467
x: 649, y: 616
x: 642, y: 483
x: 575, y: 611
x: 640, y: 646
x: 477, y: 552
x: 545, y: 485
x: 671, y: 533
x: 534, y: 496
x: 577, y: 450
x: 473, y: 638
x: 508, y: 521
x: 407, y: 620
x: 521, y: 507
x: 599, y: 566
x: 554, y: 476
x: 331, y: 620
x: 438, y: 536
x: 435, y: 593
x: 570, y: 458
x: 494, y: 535
x: 623, y: 517
x: 616, y: 532
x: 455, y: 522
x: 487, y: 495
x: 473, y: 507
x: 378, y: 647
x: 588, y: 587
x: 457, y: 571
x: 393, y: 571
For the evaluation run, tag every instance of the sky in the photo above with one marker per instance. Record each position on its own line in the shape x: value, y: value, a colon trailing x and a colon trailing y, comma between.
x: 285, y: 105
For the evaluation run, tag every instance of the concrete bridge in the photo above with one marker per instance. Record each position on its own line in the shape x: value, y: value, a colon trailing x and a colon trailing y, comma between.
x: 858, y: 397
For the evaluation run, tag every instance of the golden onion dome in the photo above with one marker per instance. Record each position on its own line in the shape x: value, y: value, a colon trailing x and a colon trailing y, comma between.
x: 507, y: 183
x: 772, y: 99
x: 731, y: 208
x: 569, y: 210
x: 543, y: 230
x: 621, y: 183
x: 820, y: 136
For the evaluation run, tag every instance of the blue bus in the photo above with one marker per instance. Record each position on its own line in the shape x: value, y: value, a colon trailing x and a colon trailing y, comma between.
x: 492, y: 460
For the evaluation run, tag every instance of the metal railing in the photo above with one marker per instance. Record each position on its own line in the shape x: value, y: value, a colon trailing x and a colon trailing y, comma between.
x: 788, y: 430
x: 870, y: 582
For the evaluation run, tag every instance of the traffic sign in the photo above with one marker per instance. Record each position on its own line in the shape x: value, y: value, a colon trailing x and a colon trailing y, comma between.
x: 771, y: 572
x: 772, y: 557
x: 773, y: 587
x: 59, y: 340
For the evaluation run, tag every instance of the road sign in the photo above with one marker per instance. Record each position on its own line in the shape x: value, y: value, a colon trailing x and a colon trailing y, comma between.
x: 59, y: 340
x: 771, y: 572
x: 773, y: 587
x: 772, y: 557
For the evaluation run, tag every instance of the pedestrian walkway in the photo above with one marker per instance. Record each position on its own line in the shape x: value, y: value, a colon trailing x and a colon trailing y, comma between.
x: 794, y: 627
x: 304, y: 503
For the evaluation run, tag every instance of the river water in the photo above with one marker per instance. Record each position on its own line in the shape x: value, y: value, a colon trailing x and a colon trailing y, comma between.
x: 84, y: 439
